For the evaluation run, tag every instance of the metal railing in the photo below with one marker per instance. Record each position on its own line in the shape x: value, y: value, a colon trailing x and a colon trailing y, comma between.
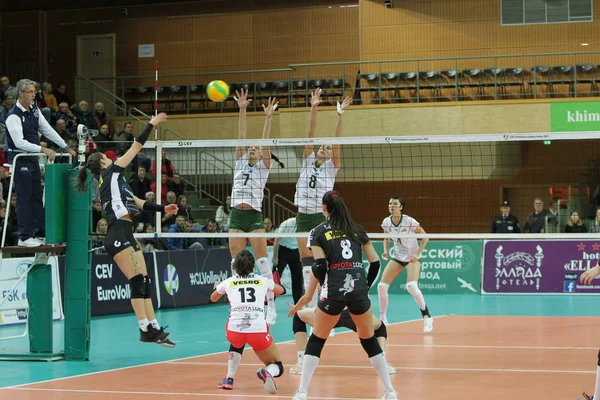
x: 282, y: 209
x: 93, y: 92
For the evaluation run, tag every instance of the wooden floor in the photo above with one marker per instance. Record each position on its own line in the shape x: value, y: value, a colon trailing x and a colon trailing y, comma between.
x: 465, y: 358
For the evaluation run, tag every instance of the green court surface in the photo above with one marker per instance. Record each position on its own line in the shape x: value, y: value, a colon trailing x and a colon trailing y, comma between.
x: 200, y: 331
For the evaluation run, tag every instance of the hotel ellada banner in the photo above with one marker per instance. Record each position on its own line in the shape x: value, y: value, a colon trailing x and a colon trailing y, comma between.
x: 576, y: 116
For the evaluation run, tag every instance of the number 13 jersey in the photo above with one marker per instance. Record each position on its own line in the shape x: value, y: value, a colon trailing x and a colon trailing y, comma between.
x: 249, y: 183
x: 246, y: 302
x: 346, y: 279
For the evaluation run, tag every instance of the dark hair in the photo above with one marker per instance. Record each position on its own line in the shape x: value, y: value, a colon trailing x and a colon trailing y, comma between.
x: 340, y: 219
x: 400, y: 199
x: 244, y: 263
x: 93, y: 164
x: 226, y: 206
x: 276, y: 159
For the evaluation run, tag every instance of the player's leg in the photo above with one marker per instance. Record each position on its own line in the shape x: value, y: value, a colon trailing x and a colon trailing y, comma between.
x: 236, y: 245
x: 307, y: 260
x: 237, y: 341
x: 597, y: 387
x: 259, y: 245
x: 324, y: 323
x: 391, y: 271
x: 362, y: 317
x: 412, y: 286
x: 267, y: 352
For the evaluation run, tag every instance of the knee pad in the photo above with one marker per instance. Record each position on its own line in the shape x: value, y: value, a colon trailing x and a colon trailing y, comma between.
x: 137, y: 284
x: 382, y: 287
x: 371, y: 346
x: 239, y: 350
x: 298, y: 325
x: 280, y: 365
x: 264, y: 266
x: 381, y: 331
x: 148, y: 292
x: 412, y: 287
x: 314, y: 346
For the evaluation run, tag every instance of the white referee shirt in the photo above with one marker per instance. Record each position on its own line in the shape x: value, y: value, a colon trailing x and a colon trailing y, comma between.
x: 288, y: 226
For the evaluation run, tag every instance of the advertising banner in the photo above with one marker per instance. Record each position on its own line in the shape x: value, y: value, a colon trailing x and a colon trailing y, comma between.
x: 186, y: 278
x: 15, y: 309
x: 539, y: 266
x: 449, y: 267
x: 577, y: 116
x: 111, y: 293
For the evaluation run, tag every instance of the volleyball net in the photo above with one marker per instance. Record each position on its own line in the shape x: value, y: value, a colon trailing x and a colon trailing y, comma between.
x: 452, y: 185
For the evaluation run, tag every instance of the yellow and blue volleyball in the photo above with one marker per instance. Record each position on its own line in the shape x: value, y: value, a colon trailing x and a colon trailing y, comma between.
x: 217, y: 91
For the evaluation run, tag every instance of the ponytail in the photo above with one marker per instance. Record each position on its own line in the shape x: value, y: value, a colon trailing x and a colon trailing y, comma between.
x: 93, y: 165
x: 340, y: 219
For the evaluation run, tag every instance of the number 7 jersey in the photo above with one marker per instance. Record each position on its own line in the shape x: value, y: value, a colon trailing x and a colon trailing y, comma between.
x: 246, y: 301
x: 249, y: 183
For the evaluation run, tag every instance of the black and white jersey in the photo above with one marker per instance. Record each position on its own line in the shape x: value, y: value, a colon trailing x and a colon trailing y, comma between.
x: 116, y: 194
x: 346, y: 279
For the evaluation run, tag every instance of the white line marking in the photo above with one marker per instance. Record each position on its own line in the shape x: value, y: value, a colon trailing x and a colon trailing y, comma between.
x: 452, y: 346
x: 535, y: 371
x: 262, y: 396
x: 160, y: 362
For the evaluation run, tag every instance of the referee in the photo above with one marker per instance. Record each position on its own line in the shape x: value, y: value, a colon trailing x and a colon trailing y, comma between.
x: 24, y: 122
x: 285, y: 252
x: 505, y: 222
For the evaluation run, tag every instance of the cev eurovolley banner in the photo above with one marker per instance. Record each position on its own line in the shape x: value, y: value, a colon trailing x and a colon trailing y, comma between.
x: 539, y: 266
x: 447, y: 267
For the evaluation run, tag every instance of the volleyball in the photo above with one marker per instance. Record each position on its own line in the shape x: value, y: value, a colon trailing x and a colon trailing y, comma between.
x: 217, y: 91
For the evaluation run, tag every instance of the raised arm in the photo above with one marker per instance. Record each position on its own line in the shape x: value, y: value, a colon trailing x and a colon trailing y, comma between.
x: 139, y: 141
x: 265, y: 151
x: 336, y: 158
x: 315, y: 100
x: 242, y: 101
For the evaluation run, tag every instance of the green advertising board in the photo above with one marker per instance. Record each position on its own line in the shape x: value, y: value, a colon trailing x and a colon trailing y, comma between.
x: 447, y: 267
x: 576, y: 116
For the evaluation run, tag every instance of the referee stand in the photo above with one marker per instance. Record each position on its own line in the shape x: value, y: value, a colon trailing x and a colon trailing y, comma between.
x: 67, y: 226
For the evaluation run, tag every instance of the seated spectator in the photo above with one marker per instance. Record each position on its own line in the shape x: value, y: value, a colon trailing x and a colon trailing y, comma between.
x: 7, y: 87
x: 101, y: 229
x: 192, y: 243
x: 40, y: 101
x: 176, y: 185
x: 170, y: 219
x: 102, y: 118
x: 167, y: 167
x: 595, y: 225
x: 60, y: 93
x: 104, y: 140
x: 147, y: 216
x: 269, y: 228
x: 65, y: 113
x: 164, y: 189
x: 125, y: 139
x: 575, y: 225
x: 177, y: 227
x: 536, y: 221
x: 184, y: 208
x: 49, y: 98
x: 223, y: 214
x: 96, y: 212
x: 140, y: 183
x: 150, y: 245
x: 61, y: 129
x: 85, y: 116
x: 213, y: 242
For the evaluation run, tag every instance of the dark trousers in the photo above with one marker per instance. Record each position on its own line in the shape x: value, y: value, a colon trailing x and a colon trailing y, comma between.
x: 30, y: 206
x: 292, y: 258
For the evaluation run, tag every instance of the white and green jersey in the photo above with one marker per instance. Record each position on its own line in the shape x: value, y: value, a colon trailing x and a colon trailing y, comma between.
x: 249, y: 183
x: 405, y: 247
x: 313, y: 183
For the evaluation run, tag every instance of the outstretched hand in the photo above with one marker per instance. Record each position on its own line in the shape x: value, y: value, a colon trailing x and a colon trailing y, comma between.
x: 315, y: 97
x: 158, y: 119
x: 241, y: 96
x: 171, y: 209
x: 271, y: 106
x: 341, y: 107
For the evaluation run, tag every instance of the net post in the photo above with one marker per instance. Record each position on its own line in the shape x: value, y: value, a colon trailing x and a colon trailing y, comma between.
x: 39, y: 290
x: 56, y: 202
x: 78, y: 278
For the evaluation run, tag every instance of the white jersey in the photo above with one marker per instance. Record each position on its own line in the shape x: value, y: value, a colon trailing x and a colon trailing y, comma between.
x: 249, y: 183
x: 313, y: 183
x: 247, y: 302
x: 404, y: 248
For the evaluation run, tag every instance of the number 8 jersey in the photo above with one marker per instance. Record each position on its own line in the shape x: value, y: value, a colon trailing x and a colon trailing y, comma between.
x: 249, y: 183
x: 246, y: 302
x: 346, y: 279
x: 313, y: 183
